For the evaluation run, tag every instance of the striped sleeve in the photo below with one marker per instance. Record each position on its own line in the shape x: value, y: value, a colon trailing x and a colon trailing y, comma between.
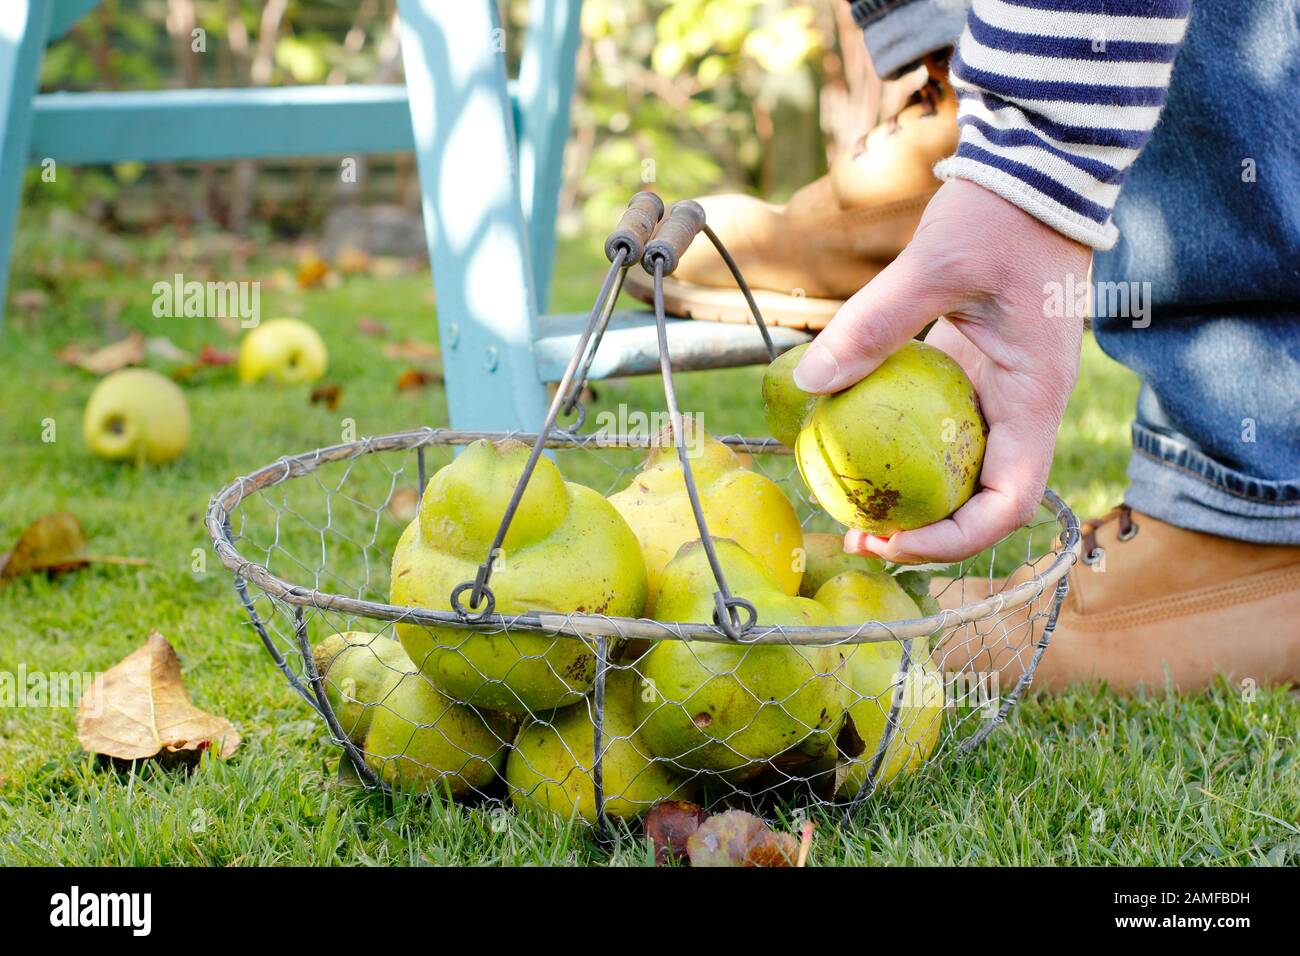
x: 1057, y: 98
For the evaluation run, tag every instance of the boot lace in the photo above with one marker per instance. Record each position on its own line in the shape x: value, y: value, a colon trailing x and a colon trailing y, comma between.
x: 1128, y: 529
x: 931, y: 93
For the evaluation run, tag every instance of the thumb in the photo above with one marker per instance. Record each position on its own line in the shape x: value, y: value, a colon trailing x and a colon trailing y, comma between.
x: 900, y: 301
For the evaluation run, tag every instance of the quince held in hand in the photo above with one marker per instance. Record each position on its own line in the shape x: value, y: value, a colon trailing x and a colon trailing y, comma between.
x: 898, y: 450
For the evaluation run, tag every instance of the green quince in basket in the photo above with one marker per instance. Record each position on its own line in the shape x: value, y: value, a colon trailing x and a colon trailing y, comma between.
x: 873, y: 673
x: 422, y: 740
x: 898, y: 450
x: 567, y: 551
x: 738, y: 504
x: 825, y: 557
x: 551, y: 763
x: 730, y: 707
x: 359, y: 670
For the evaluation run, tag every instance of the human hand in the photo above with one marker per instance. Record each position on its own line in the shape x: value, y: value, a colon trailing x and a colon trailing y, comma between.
x: 985, y: 266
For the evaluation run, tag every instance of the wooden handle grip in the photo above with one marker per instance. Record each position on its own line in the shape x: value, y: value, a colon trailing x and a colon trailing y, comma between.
x: 636, y: 227
x: 684, y: 222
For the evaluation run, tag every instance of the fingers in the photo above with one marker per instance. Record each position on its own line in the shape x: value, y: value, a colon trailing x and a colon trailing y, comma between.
x: 884, y: 314
x: 1014, y: 476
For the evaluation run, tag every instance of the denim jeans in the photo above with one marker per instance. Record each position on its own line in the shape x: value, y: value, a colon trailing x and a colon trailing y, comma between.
x: 1209, y: 222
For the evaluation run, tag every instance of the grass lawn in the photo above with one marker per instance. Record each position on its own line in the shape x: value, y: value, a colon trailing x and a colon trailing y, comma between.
x: 1082, y: 778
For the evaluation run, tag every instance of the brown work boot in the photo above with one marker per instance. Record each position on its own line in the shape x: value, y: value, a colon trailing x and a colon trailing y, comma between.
x: 1151, y: 601
x: 803, y: 259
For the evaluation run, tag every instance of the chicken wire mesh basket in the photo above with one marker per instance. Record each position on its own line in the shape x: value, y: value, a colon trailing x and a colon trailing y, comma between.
x: 570, y: 696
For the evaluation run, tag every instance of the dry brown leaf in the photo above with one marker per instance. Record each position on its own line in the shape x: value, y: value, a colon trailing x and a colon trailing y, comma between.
x: 140, y: 708
x: 772, y: 849
x: 737, y: 838
x: 412, y: 350
x: 312, y: 271
x: 351, y: 260
x: 404, y: 504
x: 669, y: 825
x: 30, y: 300
x: 388, y: 267
x: 327, y: 394
x: 208, y: 355
x: 414, y: 378
x: 110, y: 358
x: 164, y: 348
x: 368, y: 325
x: 53, y: 543
x: 805, y: 843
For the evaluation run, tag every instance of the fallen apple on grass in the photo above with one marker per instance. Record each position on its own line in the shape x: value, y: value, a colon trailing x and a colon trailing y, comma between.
x: 282, y: 351
x: 137, y: 415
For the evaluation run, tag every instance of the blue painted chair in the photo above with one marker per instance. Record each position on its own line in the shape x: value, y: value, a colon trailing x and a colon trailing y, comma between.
x: 489, y: 153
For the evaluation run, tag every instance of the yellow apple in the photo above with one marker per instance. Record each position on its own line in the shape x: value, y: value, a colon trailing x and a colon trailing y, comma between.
x: 137, y: 415
x: 283, y: 351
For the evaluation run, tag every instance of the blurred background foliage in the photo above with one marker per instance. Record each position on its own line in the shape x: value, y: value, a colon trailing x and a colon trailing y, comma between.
x: 690, y: 96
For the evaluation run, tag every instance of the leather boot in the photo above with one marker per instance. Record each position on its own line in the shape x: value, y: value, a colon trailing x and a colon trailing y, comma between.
x: 804, y: 258
x: 1150, y: 605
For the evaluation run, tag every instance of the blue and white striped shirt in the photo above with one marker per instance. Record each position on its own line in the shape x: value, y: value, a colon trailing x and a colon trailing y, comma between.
x: 1056, y: 99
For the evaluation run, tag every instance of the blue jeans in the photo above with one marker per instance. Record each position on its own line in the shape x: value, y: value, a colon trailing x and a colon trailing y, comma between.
x: 1209, y: 223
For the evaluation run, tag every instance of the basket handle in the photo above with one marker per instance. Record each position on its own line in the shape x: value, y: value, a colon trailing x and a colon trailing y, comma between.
x: 635, y: 228
x: 684, y: 222
x: 632, y: 227
x: 734, y: 615
x: 659, y: 256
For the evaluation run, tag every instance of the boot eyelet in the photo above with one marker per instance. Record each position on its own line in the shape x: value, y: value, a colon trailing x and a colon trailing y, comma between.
x: 1093, y: 556
x: 1128, y: 534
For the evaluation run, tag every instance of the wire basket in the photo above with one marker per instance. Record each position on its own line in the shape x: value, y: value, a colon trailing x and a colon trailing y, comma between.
x: 585, y: 711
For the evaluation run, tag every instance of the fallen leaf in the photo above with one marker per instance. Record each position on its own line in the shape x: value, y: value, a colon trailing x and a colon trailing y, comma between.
x: 404, y: 504
x: 737, y: 838
x: 312, y: 271
x: 387, y: 267
x: 772, y: 849
x: 31, y: 300
x: 110, y: 358
x: 53, y: 543
x: 327, y: 394
x: 164, y: 348
x: 140, y: 708
x: 208, y: 355
x: 351, y: 260
x: 372, y: 327
x: 414, y: 378
x: 412, y: 350
x: 669, y: 825
x: 805, y: 843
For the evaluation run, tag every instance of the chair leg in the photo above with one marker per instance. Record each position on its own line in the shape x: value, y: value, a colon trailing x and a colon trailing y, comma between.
x: 546, y: 76
x: 465, y: 147
x: 23, y: 27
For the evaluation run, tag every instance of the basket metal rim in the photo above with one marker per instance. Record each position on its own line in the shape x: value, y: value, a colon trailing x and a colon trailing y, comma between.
x: 583, y: 626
